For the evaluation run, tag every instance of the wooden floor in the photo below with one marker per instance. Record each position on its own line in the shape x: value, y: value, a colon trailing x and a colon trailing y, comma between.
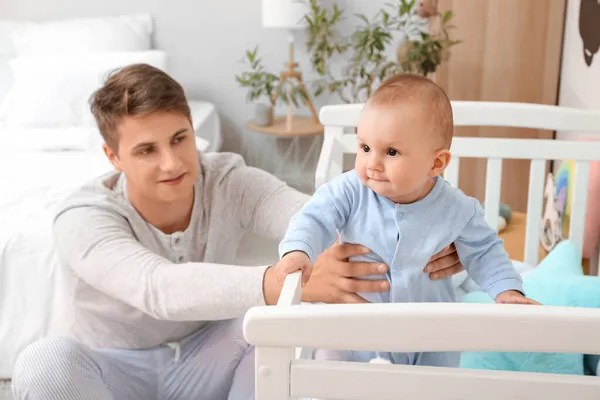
x: 514, y: 240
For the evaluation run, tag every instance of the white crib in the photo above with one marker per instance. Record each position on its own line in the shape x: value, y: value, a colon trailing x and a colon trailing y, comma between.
x: 278, y: 332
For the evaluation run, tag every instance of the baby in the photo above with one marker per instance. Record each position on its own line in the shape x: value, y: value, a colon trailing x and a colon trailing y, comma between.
x: 395, y: 203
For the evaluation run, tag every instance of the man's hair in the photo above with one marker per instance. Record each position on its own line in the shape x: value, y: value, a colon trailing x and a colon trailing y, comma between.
x: 417, y: 88
x: 135, y: 90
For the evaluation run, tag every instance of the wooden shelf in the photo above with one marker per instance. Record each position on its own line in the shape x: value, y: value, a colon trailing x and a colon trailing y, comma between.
x: 301, y: 126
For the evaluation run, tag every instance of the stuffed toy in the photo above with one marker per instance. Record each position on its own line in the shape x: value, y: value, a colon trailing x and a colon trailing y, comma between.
x: 557, y: 281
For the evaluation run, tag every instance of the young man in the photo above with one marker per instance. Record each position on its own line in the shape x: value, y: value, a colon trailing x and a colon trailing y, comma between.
x: 150, y: 305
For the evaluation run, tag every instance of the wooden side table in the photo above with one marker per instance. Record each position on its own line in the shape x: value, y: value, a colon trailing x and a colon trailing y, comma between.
x: 302, y: 126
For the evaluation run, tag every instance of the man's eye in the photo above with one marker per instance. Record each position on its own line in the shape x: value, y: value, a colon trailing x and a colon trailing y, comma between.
x: 392, y: 152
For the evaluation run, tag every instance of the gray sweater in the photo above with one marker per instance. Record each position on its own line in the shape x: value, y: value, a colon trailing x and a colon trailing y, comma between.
x: 125, y: 284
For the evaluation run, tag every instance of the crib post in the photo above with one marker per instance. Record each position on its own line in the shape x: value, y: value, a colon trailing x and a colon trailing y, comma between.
x: 331, y: 159
x: 273, y: 373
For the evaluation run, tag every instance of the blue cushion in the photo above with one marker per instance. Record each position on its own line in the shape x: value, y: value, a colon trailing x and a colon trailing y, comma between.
x: 558, y: 281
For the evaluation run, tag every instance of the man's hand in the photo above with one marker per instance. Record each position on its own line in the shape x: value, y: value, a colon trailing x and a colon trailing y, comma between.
x: 335, y: 279
x: 514, y: 297
x: 444, y: 264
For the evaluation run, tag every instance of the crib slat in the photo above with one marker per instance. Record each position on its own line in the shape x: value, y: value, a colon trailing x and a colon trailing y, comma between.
x: 291, y: 293
x: 578, y: 203
x: 331, y: 158
x: 493, y: 186
x: 451, y: 172
x: 535, y: 200
x: 340, y: 380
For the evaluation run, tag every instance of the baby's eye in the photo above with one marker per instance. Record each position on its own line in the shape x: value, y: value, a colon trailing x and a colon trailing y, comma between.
x: 365, y: 148
x: 392, y: 152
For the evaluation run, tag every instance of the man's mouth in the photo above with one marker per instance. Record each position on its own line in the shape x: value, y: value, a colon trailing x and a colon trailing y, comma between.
x: 173, y: 181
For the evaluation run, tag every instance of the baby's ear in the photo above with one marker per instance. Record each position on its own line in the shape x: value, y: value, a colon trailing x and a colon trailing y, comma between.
x: 440, y: 162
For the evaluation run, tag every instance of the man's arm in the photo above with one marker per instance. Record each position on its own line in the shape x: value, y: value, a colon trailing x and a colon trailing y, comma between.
x: 482, y: 253
x: 265, y: 203
x: 101, y: 249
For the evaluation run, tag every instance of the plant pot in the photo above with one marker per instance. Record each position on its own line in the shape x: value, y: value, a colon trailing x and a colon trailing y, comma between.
x: 263, y: 114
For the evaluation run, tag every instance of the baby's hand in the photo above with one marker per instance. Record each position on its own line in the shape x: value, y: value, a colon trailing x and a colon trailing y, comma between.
x: 514, y: 297
x: 292, y: 262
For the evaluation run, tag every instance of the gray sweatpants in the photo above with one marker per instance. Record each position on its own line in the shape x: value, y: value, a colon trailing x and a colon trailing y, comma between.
x: 214, y: 363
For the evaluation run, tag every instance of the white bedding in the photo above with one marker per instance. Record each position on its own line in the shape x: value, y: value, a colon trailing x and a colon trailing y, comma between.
x: 33, y: 182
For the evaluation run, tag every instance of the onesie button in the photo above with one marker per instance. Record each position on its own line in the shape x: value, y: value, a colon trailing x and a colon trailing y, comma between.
x: 177, y: 241
x: 180, y: 258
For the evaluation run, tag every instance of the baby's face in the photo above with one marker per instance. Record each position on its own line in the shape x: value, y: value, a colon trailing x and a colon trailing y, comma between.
x: 396, y: 151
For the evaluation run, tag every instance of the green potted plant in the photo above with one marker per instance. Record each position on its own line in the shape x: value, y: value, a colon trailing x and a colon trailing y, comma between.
x: 262, y: 83
x: 421, y: 51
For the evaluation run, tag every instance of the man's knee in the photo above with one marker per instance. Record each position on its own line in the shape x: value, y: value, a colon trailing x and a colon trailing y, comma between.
x: 48, y: 367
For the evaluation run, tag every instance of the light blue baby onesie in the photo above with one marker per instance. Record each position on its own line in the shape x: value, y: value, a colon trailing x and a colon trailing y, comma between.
x: 405, y: 237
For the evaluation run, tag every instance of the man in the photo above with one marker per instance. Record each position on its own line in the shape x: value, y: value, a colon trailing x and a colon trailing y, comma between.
x: 151, y: 305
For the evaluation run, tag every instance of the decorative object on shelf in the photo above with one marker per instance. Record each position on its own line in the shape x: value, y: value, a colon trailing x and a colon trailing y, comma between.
x: 551, y: 229
x: 563, y: 186
x: 263, y: 115
x: 425, y: 46
x: 505, y: 214
x: 289, y: 86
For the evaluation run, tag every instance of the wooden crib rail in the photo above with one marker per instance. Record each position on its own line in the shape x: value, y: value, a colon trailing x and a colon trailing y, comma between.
x: 418, y: 327
x: 489, y: 113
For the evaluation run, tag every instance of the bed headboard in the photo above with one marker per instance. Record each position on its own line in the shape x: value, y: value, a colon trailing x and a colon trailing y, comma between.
x: 278, y: 331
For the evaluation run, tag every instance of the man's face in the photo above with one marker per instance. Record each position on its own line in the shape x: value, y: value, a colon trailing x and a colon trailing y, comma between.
x: 157, y: 153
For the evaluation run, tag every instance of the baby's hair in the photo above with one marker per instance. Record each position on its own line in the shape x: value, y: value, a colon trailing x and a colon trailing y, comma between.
x: 410, y: 87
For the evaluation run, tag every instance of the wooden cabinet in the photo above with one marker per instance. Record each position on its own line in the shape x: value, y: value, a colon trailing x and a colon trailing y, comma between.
x: 511, y: 51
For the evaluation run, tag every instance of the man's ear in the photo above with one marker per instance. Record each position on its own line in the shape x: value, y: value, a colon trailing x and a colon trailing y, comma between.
x: 112, y: 157
x: 440, y: 162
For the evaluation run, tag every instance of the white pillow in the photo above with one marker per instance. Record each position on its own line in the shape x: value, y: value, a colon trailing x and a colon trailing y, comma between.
x: 52, y: 91
x: 8, y: 31
x: 121, y: 33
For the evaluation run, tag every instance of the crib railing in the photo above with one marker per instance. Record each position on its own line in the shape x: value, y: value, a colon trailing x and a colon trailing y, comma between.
x: 277, y: 331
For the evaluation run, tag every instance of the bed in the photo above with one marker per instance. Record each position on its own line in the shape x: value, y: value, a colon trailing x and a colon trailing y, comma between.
x: 284, y: 334
x: 38, y: 167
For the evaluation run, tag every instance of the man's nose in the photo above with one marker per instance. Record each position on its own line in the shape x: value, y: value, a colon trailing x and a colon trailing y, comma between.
x: 170, y: 161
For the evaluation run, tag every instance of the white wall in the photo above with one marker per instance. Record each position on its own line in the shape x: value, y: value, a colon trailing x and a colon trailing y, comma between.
x: 206, y: 40
x: 580, y: 83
